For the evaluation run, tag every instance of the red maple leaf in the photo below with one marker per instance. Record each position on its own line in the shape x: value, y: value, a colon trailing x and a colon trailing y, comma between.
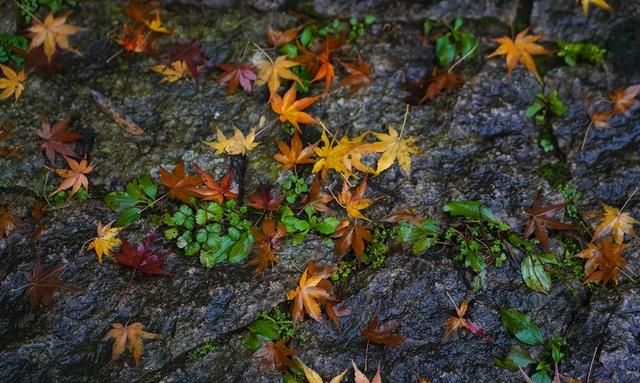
x: 263, y: 200
x: 215, y: 190
x: 141, y: 257
x: 191, y: 53
x: 237, y: 74
x: 57, y: 139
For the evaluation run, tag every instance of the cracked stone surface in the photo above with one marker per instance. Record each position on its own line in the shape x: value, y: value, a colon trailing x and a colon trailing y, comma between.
x: 476, y: 143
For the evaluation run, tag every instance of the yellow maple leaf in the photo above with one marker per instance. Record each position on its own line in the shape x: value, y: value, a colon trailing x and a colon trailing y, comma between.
x: 341, y: 156
x: 271, y: 72
x: 156, y: 24
x: 520, y: 50
x: 314, y: 377
x: 586, y: 5
x: 106, y: 240
x: 393, y: 147
x: 174, y: 72
x: 11, y: 82
x: 52, y: 32
x: 615, y: 223
x: 237, y: 144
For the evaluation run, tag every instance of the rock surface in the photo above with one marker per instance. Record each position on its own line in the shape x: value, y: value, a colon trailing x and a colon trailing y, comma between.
x: 476, y: 143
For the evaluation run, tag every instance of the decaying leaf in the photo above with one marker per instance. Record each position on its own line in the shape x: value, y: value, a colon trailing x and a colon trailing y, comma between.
x: 75, y: 176
x: 455, y: 323
x: 262, y: 199
x: 134, y: 39
x: 616, y: 224
x: 8, y: 222
x: 314, y: 288
x: 266, y: 239
x: 314, y: 377
x: 586, y: 5
x: 291, y: 156
x: 604, y: 261
x: 42, y: 283
x: 106, y: 241
x: 359, y: 75
x: 351, y: 235
x: 440, y: 81
x: 624, y: 99
x: 277, y: 38
x: 10, y: 152
x: 520, y: 50
x: 12, y: 82
x: 361, y: 378
x: 52, y: 33
x: 383, y: 333
x: 237, y: 74
x: 271, y: 73
x: 141, y: 258
x: 57, y: 139
x: 128, y: 337
x: 181, y: 186
x: 354, y: 202
x: 315, y: 198
x: 541, y: 220
x: 171, y: 73
x: 274, y: 354
x: 291, y: 110
x: 238, y: 144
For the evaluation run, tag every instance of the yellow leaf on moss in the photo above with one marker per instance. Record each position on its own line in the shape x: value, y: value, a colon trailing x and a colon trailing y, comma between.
x: 237, y: 144
x: 106, y: 241
x: 174, y: 72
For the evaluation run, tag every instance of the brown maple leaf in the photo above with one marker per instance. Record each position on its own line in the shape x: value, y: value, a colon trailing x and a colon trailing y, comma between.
x: 385, y: 334
x: 141, y: 257
x: 262, y: 199
x: 52, y: 32
x: 624, y: 99
x: 215, y: 190
x: 350, y: 235
x: 43, y: 283
x: 265, y: 241
x: 439, y: 82
x: 362, y: 378
x: 274, y: 355
x: 191, y: 53
x: 541, y: 220
x: 128, y: 337
x: 11, y: 152
x: 604, y: 261
x: 57, y: 139
x: 8, y: 222
x: 616, y: 224
x: 75, y: 176
x: 181, y: 186
x: 293, y: 155
x: 291, y: 110
x: 277, y: 38
x: 315, y: 199
x: 359, y: 75
x: 237, y: 74
x: 455, y: 323
x: 520, y: 50
x: 313, y: 289
x: 354, y: 202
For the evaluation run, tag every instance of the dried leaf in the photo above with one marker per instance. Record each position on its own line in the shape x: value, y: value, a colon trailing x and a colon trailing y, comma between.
x: 313, y: 289
x: 359, y: 75
x: 52, y: 33
x: 586, y: 5
x: 141, y: 257
x: 274, y: 354
x: 271, y: 73
x: 624, y: 99
x: 291, y: 156
x: 354, y: 202
x: 12, y: 83
x: 361, y: 378
x: 262, y: 199
x: 57, y: 139
x: 541, y: 220
x: 42, y: 283
x: 350, y: 235
x: 75, y: 177
x: 385, y: 334
x: 455, y: 323
x: 265, y: 241
x: 236, y: 145
x: 616, y: 224
x: 440, y: 81
x: 237, y: 74
x: 8, y: 222
x: 290, y: 109
x: 191, y: 53
x: 604, y: 261
x: 128, y: 337
x: 135, y: 40
x: 314, y: 377
x: 215, y: 190
x: 277, y: 38
x: 341, y: 156
x: 179, y: 183
x: 393, y: 147
x: 106, y: 240
x: 315, y: 199
x: 171, y: 73
x: 520, y: 50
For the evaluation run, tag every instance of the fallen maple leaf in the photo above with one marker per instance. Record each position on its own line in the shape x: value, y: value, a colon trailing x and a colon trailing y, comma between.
x: 8, y: 222
x: 53, y: 32
x: 604, y: 261
x: 271, y: 72
x: 520, y: 50
x: 359, y: 75
x: 215, y: 190
x: 191, y: 53
x: 393, y: 147
x: 11, y: 152
x: 341, y: 156
x: 237, y: 74
x: 313, y: 288
x: 541, y: 219
x: 36, y: 59
x: 135, y: 40
x: 314, y: 377
x: 43, y: 283
x: 326, y: 70
x: 274, y: 354
x: 361, y: 378
x: 265, y: 240
x: 141, y: 257
x: 262, y: 199
x: 179, y: 183
x: 354, y: 202
x: 277, y: 38
x: 12, y: 82
x: 315, y: 199
x: 616, y: 224
x: 236, y: 145
x: 290, y: 109
x: 128, y: 337
x: 171, y: 73
x: 57, y: 139
x: 291, y: 156
x: 586, y: 5
x: 385, y: 334
x: 106, y: 240
x: 147, y: 13
x: 624, y: 99
x: 75, y: 177
x: 440, y: 81
x: 350, y: 235
x: 454, y: 323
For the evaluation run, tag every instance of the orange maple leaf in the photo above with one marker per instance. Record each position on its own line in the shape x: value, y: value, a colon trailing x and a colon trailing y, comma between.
x: 293, y: 155
x: 128, y: 337
x: 180, y: 185
x: 354, y: 202
x: 266, y: 239
x: 604, y: 261
x: 359, y: 75
x: 215, y: 190
x: 383, y: 333
x: 52, y: 32
x: 75, y: 177
x: 350, y: 235
x: 520, y: 50
x: 313, y: 288
x: 290, y: 109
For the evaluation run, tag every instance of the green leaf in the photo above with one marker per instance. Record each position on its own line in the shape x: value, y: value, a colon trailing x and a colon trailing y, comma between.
x: 327, y: 226
x: 467, y: 43
x: 170, y: 234
x: 149, y: 187
x: 252, y: 342
x: 427, y: 27
x: 306, y: 37
x: 179, y: 218
x: 534, y: 109
x: 521, y: 326
x: 201, y: 235
x: 189, y: 223
x: 421, y: 236
x: 266, y: 328
x: 445, y: 51
x: 457, y: 24
x: 474, y: 210
x: 241, y: 249
x: 120, y: 200
x: 181, y: 242
x: 128, y: 216
x: 192, y: 249
x: 519, y: 356
x: 369, y: 19
x: 541, y: 377
x: 534, y: 274
x: 290, y: 50
x: 201, y: 217
x: 186, y: 210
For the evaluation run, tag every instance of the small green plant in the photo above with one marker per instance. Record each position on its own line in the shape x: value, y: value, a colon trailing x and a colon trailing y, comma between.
x: 358, y: 26
x: 293, y: 187
x: 335, y: 27
x: 61, y: 197
x: 202, y: 350
x: 378, y: 249
x: 298, y: 226
x: 30, y: 7
x: 138, y: 195
x: 420, y: 236
x: 9, y: 41
x: 527, y: 332
x: 452, y: 45
x: 217, y: 232
x: 345, y: 269
x: 585, y: 52
x: 270, y: 327
x: 544, y: 107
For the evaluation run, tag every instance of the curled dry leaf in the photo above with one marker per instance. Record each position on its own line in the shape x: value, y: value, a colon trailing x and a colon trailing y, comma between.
x: 107, y: 107
x: 274, y: 355
x: 314, y: 377
x: 602, y: 4
x: 455, y: 323
x: 362, y: 378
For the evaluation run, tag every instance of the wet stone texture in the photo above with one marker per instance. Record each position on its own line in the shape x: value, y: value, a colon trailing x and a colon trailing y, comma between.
x: 476, y: 143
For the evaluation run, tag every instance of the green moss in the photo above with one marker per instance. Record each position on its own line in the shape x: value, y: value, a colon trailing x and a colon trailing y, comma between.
x: 378, y: 249
x: 202, y: 350
x: 556, y: 174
